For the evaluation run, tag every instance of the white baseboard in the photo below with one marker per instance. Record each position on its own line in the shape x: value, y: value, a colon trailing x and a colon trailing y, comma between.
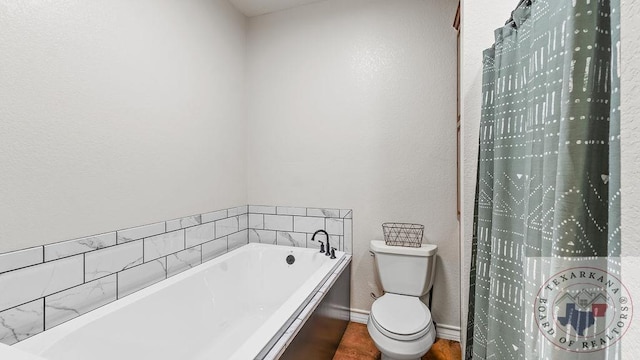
x: 449, y: 332
x: 443, y: 331
x: 359, y: 316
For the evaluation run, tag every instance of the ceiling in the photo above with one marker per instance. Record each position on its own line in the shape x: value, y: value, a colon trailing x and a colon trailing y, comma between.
x: 260, y: 7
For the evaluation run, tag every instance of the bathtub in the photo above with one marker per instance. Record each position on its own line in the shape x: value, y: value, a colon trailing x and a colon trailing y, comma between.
x: 237, y: 306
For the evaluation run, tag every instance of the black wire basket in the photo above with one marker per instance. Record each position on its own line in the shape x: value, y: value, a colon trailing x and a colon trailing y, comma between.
x: 402, y: 234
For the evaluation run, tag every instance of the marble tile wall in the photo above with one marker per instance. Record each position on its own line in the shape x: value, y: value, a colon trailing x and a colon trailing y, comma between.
x: 44, y: 286
x: 294, y: 226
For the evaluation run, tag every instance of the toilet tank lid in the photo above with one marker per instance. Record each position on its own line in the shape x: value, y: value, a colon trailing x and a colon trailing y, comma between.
x: 378, y: 246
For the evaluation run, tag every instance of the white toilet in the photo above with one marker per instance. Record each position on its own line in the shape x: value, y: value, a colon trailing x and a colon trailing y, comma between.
x: 399, y: 323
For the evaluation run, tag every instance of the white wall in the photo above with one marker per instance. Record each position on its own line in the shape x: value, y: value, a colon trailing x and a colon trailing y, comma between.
x: 630, y: 147
x: 479, y: 20
x: 117, y: 113
x: 630, y: 127
x: 352, y: 104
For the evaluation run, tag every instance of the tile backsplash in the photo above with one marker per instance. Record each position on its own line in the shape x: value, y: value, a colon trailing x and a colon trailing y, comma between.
x: 294, y: 226
x: 44, y: 286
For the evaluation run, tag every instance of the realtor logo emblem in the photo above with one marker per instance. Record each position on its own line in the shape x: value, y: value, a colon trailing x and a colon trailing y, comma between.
x: 583, y: 309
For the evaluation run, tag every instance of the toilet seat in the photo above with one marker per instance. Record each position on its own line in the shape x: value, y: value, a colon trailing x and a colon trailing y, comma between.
x: 401, y: 317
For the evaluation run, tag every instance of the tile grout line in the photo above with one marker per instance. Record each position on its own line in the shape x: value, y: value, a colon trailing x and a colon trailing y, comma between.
x: 44, y: 316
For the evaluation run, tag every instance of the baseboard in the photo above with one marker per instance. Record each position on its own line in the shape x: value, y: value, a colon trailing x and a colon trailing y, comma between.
x: 359, y: 316
x: 449, y: 332
x: 443, y: 331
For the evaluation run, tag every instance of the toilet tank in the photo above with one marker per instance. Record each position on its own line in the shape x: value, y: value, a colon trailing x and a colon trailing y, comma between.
x: 405, y: 270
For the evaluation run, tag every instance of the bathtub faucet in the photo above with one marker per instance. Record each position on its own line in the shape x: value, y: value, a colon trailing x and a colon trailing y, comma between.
x: 328, y: 253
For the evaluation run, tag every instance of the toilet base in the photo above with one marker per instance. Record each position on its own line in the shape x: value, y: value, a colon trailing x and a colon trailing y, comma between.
x: 385, y: 357
x: 393, y: 349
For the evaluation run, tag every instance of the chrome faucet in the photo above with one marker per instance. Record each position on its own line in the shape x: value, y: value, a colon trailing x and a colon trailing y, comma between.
x: 328, y: 252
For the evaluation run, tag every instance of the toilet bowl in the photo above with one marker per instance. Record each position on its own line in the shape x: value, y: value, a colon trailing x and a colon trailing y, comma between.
x: 399, y: 323
x: 401, y: 327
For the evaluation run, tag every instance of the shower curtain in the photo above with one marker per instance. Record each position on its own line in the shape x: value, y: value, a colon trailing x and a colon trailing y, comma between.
x: 546, y: 236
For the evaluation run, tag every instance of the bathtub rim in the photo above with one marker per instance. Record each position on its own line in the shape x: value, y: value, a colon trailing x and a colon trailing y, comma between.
x: 325, y: 284
x: 308, y: 311
x: 301, y: 297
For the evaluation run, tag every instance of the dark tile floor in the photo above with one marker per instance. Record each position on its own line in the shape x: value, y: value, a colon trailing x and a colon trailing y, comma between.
x: 357, y: 345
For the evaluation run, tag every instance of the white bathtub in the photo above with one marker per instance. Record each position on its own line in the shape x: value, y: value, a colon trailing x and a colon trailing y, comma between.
x: 232, y: 307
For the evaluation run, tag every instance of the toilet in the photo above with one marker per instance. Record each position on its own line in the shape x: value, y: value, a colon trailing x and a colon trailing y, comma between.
x: 399, y: 323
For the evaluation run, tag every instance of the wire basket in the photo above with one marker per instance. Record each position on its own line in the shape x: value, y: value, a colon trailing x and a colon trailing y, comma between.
x: 401, y: 234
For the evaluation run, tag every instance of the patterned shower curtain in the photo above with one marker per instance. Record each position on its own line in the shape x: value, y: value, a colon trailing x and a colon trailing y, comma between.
x: 545, y: 280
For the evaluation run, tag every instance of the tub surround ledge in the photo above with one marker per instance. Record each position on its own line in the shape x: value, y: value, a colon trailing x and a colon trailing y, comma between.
x: 306, y: 310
